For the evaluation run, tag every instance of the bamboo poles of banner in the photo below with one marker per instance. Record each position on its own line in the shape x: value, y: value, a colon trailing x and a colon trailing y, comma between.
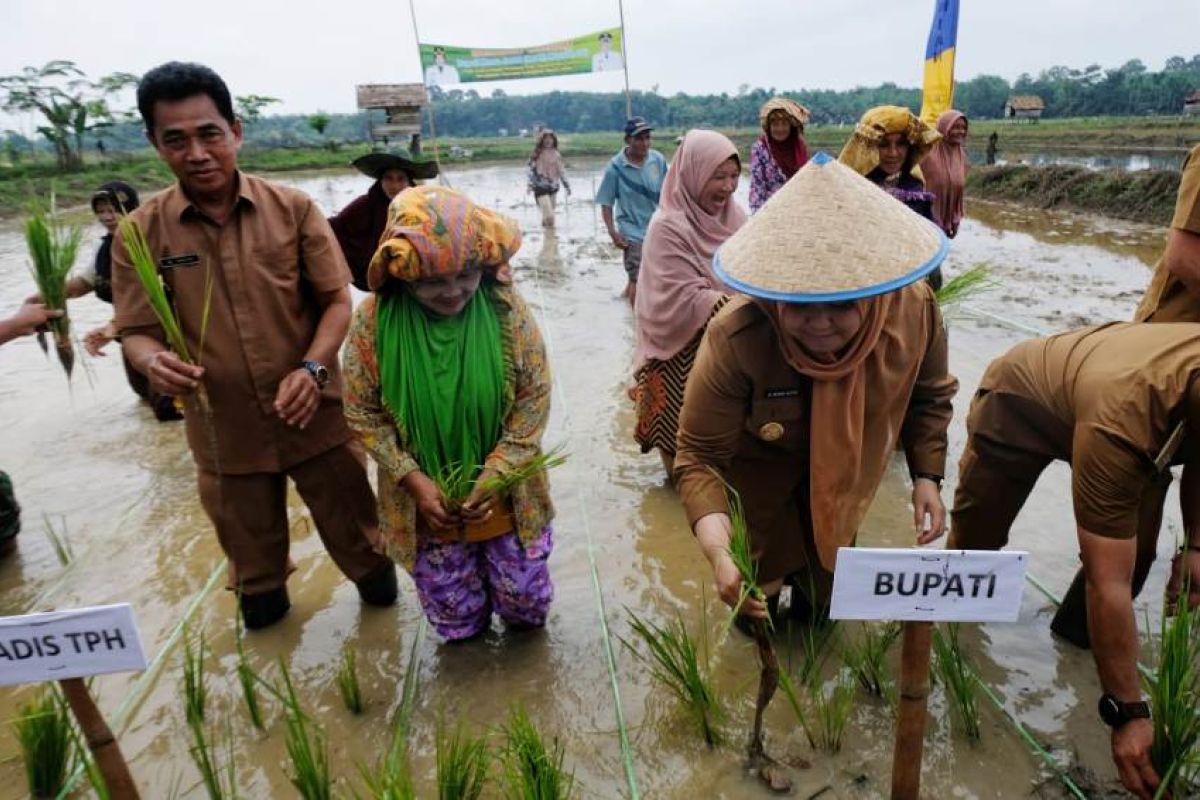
x: 910, y: 722
x: 625, y: 59
x: 412, y: 10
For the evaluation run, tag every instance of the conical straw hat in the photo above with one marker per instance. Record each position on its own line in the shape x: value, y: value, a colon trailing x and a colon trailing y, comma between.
x: 829, y: 235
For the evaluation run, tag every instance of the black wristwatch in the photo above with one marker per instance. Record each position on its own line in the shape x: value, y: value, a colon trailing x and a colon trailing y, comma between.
x: 318, y: 372
x: 1115, y: 713
x: 929, y: 476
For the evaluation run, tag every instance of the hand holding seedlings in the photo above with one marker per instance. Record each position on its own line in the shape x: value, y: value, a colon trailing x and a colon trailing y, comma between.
x: 480, y: 503
x: 31, y: 316
x: 713, y: 533
x: 431, y: 505
x: 1131, y: 745
x: 171, y: 375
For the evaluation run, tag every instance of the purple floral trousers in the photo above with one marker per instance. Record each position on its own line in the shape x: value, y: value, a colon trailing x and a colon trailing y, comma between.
x: 460, y: 584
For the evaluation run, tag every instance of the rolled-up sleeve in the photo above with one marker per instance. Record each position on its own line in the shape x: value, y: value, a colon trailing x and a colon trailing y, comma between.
x: 930, y: 408
x: 710, y: 425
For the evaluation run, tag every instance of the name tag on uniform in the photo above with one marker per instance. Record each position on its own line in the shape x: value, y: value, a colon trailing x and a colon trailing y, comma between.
x: 170, y: 262
x: 776, y: 394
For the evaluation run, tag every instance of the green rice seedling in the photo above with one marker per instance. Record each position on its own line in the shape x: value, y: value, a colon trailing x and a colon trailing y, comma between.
x: 90, y: 768
x: 390, y: 777
x: 306, y: 746
x: 866, y: 656
x: 347, y: 681
x: 829, y: 711
x: 195, y: 692
x: 204, y: 757
x: 59, y: 540
x: 1175, y: 701
x: 46, y: 738
x: 533, y: 770
x: 462, y: 763
x: 967, y: 286
x: 675, y: 663
x: 456, y: 481
x: 52, y: 250
x: 956, y: 674
x: 247, y: 678
x: 146, y: 268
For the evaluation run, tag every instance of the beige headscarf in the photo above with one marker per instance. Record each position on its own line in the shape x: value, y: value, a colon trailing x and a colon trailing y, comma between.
x: 677, y: 289
x: 861, y: 152
x: 797, y: 114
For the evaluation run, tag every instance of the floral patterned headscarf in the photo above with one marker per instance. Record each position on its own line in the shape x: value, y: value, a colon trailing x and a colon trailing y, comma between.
x: 861, y: 153
x: 434, y: 232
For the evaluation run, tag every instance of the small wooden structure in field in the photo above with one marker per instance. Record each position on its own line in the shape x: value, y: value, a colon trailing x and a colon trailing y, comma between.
x: 1024, y: 106
x: 1191, y: 102
x: 401, y: 104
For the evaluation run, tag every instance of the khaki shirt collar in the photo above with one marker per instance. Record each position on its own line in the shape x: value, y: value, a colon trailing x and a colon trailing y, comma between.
x: 178, y: 206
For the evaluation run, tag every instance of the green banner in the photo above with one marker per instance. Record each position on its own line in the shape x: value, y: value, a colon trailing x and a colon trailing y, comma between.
x: 446, y: 64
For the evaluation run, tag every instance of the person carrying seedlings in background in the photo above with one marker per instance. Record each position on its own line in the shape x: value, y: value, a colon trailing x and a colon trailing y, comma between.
x: 802, y: 389
x: 359, y: 225
x: 1174, y: 291
x: 780, y: 150
x: 887, y: 147
x: 546, y: 172
x: 1108, y: 400
x: 279, y: 312
x: 632, y: 181
x: 448, y: 387
x: 31, y: 316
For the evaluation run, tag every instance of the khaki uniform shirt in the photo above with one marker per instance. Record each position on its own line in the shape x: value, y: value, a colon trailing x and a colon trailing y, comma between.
x: 1122, y: 389
x: 1167, y: 299
x: 746, y: 415
x: 268, y: 261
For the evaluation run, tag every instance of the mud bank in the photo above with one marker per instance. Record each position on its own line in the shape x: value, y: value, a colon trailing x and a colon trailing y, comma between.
x: 1143, y: 196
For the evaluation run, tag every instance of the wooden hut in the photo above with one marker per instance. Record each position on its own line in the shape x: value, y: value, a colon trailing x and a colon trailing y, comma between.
x: 401, y: 104
x: 1024, y: 106
x: 1191, y: 103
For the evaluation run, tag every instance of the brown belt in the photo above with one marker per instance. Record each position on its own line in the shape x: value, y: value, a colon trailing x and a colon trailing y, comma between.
x: 500, y: 523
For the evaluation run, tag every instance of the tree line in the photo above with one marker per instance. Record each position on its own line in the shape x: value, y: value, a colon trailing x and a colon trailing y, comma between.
x: 76, y: 112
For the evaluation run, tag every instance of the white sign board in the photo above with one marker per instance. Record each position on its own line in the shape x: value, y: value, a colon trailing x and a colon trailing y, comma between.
x: 928, y: 585
x: 69, y: 644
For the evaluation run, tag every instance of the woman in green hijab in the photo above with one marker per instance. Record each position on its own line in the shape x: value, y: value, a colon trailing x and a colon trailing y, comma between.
x: 447, y: 385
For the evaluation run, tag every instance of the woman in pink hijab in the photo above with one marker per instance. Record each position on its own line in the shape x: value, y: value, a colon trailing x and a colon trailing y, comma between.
x: 945, y: 171
x: 677, y: 290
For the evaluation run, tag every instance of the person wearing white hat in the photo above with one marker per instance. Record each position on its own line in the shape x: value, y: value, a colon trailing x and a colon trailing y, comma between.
x: 803, y: 387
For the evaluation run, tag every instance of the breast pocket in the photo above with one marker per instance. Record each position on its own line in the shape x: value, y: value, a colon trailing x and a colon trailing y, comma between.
x: 278, y: 262
x: 779, y: 423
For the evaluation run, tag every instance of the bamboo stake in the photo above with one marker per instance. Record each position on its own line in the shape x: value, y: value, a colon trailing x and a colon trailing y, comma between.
x: 910, y: 725
x: 105, y: 749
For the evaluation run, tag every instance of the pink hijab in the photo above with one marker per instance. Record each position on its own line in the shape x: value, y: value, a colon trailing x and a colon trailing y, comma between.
x: 945, y: 171
x: 677, y: 288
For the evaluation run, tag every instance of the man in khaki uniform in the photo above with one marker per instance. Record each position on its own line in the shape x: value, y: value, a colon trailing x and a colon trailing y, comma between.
x: 1174, y: 292
x: 279, y: 311
x: 1108, y: 400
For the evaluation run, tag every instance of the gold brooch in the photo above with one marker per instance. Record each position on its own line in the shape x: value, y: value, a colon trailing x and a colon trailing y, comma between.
x: 770, y: 432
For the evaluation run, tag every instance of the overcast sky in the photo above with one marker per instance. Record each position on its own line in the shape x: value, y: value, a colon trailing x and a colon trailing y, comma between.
x: 312, y: 54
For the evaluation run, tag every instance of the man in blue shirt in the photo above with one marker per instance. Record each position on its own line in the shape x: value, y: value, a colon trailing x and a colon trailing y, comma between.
x: 633, y: 181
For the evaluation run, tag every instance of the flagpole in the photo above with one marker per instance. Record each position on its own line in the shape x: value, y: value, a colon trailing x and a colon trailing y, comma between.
x: 412, y: 10
x: 624, y: 59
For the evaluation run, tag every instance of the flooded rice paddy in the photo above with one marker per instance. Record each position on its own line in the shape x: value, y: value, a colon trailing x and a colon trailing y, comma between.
x: 88, y: 458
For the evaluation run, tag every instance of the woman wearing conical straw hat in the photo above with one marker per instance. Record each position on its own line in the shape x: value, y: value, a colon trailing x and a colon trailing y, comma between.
x: 803, y: 388
x: 887, y: 147
x: 446, y: 375
x: 678, y: 291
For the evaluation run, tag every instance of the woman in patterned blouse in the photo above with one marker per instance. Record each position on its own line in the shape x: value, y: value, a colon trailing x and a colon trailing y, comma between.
x: 780, y: 151
x: 445, y: 372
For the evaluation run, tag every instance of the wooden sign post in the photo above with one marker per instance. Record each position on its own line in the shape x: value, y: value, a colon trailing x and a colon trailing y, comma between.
x: 921, y: 587
x: 67, y: 646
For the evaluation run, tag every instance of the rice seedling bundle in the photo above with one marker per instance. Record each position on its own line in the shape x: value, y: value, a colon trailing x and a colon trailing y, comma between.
x: 456, y: 482
x: 248, y: 679
x: 1175, y: 701
x: 956, y: 675
x: 462, y: 763
x: 866, y: 656
x: 195, y: 692
x: 306, y: 746
x: 967, y: 286
x: 47, y: 741
x: 830, y: 711
x: 59, y: 540
x: 52, y: 250
x: 675, y: 664
x: 347, y: 681
x: 218, y: 784
x: 533, y: 770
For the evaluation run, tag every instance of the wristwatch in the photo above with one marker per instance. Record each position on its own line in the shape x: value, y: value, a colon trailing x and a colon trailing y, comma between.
x: 929, y: 476
x: 318, y: 372
x: 1116, y: 713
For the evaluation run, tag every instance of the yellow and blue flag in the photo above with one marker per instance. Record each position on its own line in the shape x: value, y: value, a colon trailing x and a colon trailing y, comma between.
x: 938, y: 94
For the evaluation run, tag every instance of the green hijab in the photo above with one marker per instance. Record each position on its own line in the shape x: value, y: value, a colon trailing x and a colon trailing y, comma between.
x: 442, y: 378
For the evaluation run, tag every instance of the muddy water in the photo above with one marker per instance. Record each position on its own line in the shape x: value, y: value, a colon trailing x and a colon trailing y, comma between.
x: 88, y: 457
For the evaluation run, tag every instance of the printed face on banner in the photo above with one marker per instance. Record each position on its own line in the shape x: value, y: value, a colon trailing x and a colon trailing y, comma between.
x: 445, y: 65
